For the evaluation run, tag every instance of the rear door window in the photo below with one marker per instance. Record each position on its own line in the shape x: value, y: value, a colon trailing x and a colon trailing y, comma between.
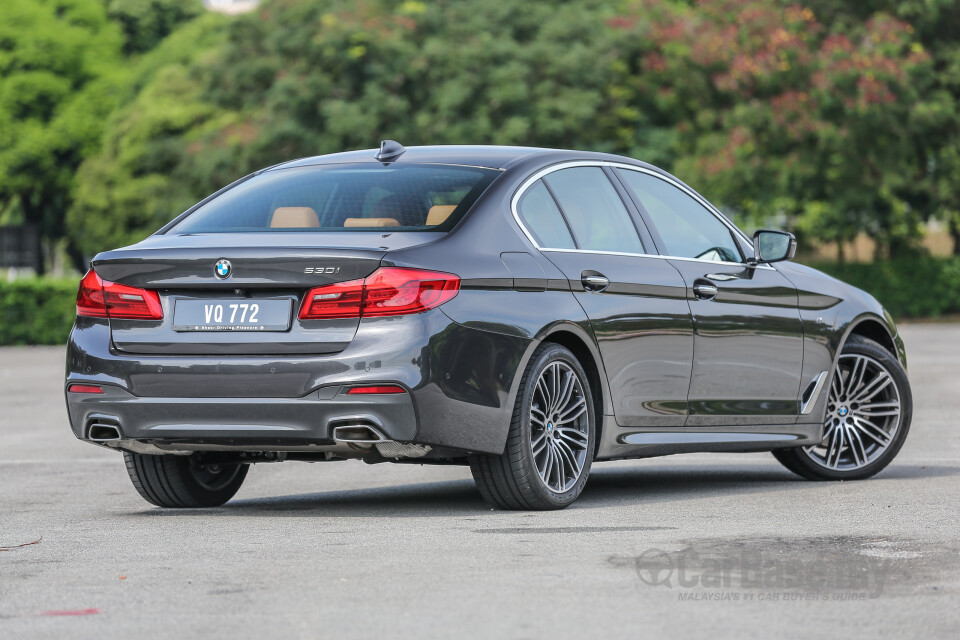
x: 542, y: 218
x: 594, y: 211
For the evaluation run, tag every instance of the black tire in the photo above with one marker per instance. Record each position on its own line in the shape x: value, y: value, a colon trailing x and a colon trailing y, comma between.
x: 512, y: 480
x: 797, y: 460
x: 181, y: 481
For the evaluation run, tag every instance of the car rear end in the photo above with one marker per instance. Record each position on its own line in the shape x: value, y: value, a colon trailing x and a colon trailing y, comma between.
x: 268, y: 320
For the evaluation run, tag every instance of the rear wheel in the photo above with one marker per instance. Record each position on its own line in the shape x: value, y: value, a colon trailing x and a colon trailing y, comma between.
x: 869, y: 408
x: 182, y: 481
x: 551, y: 440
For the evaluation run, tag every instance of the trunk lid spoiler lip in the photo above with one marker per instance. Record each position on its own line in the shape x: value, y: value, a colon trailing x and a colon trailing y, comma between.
x: 251, y: 267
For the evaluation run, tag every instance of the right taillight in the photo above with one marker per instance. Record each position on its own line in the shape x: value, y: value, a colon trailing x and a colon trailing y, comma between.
x: 98, y: 298
x: 389, y: 291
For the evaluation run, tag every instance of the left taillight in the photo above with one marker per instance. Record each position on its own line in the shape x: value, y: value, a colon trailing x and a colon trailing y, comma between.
x: 388, y: 291
x: 99, y: 298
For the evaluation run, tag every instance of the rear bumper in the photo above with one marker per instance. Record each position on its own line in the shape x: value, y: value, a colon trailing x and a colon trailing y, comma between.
x: 461, y: 384
x: 237, y: 422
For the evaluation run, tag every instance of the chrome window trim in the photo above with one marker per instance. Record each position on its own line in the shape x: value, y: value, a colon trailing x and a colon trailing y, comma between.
x: 620, y: 165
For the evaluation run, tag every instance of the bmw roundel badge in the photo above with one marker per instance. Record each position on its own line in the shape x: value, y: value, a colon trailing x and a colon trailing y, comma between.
x: 222, y: 269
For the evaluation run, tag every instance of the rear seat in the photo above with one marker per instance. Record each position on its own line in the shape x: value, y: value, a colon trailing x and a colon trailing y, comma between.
x: 294, y: 218
x: 439, y: 213
x: 306, y: 217
x: 371, y: 222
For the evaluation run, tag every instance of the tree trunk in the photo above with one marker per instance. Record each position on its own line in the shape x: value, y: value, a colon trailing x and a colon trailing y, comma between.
x: 32, y: 217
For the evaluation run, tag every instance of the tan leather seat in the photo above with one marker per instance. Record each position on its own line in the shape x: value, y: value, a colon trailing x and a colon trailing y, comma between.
x: 439, y: 213
x: 294, y: 218
x: 371, y: 222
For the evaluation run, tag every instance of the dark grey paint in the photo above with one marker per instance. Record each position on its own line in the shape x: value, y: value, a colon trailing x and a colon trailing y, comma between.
x: 750, y: 333
x: 760, y: 342
x: 641, y: 323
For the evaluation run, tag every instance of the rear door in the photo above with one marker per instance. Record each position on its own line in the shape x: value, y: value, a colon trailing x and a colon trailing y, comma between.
x: 636, y: 303
x: 748, y: 340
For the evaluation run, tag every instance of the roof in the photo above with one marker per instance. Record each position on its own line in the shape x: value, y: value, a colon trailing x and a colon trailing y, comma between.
x: 493, y: 157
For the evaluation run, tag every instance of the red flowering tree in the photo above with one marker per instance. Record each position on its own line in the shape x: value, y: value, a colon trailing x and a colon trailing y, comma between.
x: 772, y: 111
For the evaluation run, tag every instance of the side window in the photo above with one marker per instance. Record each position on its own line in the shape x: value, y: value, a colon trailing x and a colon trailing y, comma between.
x: 596, y: 214
x: 542, y: 218
x: 688, y: 229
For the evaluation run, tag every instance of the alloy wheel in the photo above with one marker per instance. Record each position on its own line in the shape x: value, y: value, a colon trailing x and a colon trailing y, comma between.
x: 863, y: 415
x: 559, y: 426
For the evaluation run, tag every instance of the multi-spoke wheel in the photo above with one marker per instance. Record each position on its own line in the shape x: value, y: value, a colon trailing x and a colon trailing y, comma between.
x: 551, y: 441
x: 867, y: 417
x: 558, y: 426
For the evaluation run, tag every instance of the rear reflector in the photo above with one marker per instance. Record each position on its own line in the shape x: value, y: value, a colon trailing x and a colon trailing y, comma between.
x: 389, y: 291
x: 386, y: 388
x: 84, y: 388
x: 102, y: 299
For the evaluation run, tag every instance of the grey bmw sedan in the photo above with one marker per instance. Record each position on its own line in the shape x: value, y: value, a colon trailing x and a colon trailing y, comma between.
x: 523, y: 311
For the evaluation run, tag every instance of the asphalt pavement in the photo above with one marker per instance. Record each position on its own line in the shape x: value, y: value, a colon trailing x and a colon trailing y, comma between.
x: 725, y: 545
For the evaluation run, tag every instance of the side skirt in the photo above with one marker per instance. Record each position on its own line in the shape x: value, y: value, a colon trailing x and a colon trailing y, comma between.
x: 639, y: 442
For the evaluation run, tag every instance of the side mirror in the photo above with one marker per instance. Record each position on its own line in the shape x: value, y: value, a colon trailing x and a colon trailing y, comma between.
x: 773, y: 246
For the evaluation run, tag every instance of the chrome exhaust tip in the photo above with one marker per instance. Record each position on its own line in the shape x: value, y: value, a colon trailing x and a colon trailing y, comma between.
x: 358, y: 433
x: 100, y: 432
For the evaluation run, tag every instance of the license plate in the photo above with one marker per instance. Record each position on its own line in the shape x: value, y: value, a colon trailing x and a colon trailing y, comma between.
x: 232, y: 315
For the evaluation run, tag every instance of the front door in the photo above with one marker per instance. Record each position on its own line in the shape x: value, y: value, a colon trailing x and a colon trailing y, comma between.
x: 748, y: 336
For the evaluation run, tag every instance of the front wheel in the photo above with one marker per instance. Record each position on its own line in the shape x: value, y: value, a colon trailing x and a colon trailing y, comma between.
x: 869, y: 408
x: 182, y: 481
x: 551, y: 440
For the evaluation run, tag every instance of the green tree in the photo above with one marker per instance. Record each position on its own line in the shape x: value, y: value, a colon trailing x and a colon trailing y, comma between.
x: 834, y: 114
x: 303, y: 78
x: 59, y: 62
x: 142, y: 174
x: 146, y: 22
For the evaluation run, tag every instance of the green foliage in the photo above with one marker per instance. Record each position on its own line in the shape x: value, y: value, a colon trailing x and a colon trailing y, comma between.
x: 59, y: 68
x: 142, y: 175
x: 37, y: 310
x: 302, y: 78
x: 836, y: 116
x: 910, y: 287
x: 779, y: 112
x: 146, y: 22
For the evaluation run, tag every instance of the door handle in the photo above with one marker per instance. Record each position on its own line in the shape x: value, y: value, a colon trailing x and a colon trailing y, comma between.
x: 721, y: 277
x: 705, y: 290
x: 593, y: 281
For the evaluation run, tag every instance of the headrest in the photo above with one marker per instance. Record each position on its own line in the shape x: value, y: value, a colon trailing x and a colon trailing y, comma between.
x: 294, y: 217
x: 439, y: 213
x: 371, y: 222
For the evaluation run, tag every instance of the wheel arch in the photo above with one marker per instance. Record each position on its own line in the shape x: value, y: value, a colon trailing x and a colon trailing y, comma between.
x: 867, y: 324
x: 878, y: 329
x: 582, y: 346
x: 874, y: 330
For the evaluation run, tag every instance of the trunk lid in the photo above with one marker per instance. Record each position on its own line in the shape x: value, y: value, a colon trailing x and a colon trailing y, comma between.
x: 269, y: 273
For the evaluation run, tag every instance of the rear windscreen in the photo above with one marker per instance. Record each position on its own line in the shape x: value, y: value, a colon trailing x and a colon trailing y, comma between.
x: 348, y: 197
